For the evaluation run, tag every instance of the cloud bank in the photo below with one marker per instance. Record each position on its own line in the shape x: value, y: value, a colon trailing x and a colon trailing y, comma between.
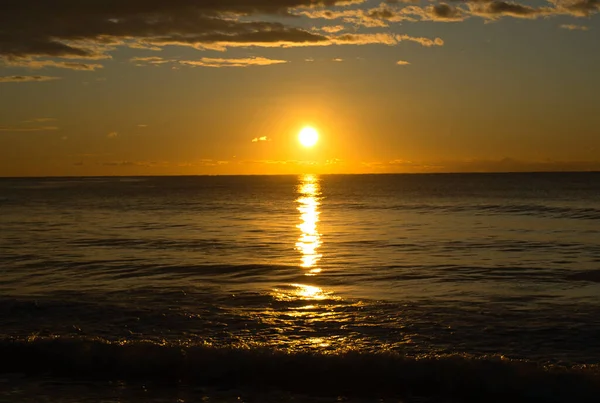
x: 35, y: 33
x: 78, y: 35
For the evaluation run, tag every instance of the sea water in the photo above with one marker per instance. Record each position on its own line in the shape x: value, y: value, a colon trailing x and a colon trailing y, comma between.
x: 293, y: 288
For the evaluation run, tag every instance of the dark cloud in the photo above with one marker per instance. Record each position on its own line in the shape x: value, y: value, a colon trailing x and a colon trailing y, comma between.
x: 512, y: 9
x: 31, y: 31
x: 444, y: 11
x: 495, y: 9
x: 85, y: 29
x: 578, y: 8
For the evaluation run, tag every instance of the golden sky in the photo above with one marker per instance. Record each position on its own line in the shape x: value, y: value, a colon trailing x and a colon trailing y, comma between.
x: 185, y: 87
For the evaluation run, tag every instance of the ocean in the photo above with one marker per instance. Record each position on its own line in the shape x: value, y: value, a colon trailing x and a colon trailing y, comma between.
x: 359, y: 288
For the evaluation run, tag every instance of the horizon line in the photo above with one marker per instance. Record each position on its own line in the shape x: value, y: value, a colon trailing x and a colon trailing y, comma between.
x: 303, y: 173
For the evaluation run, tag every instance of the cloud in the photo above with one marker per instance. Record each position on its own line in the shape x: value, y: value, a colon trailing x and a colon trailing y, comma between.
x: 126, y: 164
x: 263, y: 138
x: 577, y: 8
x: 423, y: 41
x: 40, y: 120
x: 39, y: 64
x: 35, y: 30
x: 495, y: 9
x: 374, y: 17
x: 337, y: 59
x: 383, y: 39
x: 112, y: 135
x: 28, y: 129
x: 73, y: 33
x: 208, y: 163
x: 142, y: 126
x: 401, y: 1
x: 219, y: 62
x: 402, y: 63
x: 278, y: 162
x: 400, y: 165
x: 26, y: 79
x: 444, y: 12
x: 573, y: 27
x: 141, y: 61
x: 209, y: 62
x: 89, y: 29
x: 332, y: 29
x: 383, y: 15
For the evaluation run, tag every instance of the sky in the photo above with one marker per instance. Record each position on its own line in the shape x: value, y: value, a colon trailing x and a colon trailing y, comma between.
x: 195, y: 87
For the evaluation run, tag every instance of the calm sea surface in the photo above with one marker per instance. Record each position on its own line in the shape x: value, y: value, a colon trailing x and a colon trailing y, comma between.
x: 377, y: 283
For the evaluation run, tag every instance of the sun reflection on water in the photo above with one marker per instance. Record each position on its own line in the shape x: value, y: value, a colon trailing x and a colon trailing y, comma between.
x: 297, y: 292
x: 307, y: 316
x: 310, y: 240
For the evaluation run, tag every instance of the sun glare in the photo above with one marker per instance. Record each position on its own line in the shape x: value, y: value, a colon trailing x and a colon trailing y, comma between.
x: 308, y: 136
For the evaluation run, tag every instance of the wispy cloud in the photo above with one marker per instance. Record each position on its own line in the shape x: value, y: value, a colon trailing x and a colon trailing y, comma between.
x: 40, y: 64
x: 27, y: 129
x: 209, y: 163
x: 258, y: 139
x: 26, y: 79
x: 208, y: 62
x: 573, y: 27
x: 402, y: 63
x: 40, y: 120
x: 112, y: 135
x: 332, y: 29
x: 153, y: 60
x: 219, y: 62
x: 135, y: 163
x: 427, y: 42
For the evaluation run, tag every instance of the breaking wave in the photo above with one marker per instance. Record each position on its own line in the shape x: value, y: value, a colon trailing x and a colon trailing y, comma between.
x: 348, y: 373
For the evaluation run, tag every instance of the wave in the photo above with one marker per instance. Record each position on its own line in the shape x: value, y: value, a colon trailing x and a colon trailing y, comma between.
x: 347, y: 373
x: 576, y: 213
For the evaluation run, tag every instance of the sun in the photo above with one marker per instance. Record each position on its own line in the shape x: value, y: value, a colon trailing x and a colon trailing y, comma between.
x: 308, y: 136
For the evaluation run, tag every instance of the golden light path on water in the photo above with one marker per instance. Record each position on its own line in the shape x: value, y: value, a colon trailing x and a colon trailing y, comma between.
x: 310, y: 240
x: 308, y: 306
x: 305, y: 315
